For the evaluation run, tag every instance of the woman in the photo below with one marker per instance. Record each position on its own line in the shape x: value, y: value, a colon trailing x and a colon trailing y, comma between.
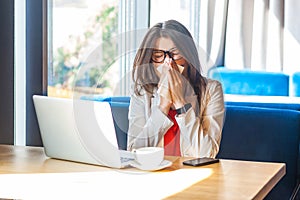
x: 172, y: 105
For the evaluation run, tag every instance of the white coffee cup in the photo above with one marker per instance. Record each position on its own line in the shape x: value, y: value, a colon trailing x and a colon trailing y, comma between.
x: 149, y: 157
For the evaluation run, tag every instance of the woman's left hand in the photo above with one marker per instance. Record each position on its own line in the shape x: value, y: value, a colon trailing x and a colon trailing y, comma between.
x: 176, y: 85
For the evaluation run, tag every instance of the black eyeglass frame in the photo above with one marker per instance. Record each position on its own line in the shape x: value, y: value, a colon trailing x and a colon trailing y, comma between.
x: 169, y: 52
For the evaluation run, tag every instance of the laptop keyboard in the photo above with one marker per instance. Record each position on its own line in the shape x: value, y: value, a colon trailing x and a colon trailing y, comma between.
x: 126, y: 156
x: 124, y: 160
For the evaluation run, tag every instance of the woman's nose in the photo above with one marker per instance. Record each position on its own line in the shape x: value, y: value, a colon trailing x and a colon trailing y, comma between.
x: 168, y: 58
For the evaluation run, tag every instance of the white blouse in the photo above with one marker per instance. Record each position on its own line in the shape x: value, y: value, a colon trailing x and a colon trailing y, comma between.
x: 200, y: 134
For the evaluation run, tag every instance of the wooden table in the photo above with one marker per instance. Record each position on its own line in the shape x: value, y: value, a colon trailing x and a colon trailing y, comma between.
x: 26, y: 173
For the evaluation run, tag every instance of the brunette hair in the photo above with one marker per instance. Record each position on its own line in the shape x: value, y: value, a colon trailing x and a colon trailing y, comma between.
x: 143, y: 74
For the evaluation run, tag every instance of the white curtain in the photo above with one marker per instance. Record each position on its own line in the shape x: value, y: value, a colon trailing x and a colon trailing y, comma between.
x: 212, y: 33
x: 253, y: 34
x: 291, y: 59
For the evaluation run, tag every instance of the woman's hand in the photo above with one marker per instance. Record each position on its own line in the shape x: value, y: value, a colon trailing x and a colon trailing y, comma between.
x: 176, y: 85
x: 165, y: 105
x: 163, y: 88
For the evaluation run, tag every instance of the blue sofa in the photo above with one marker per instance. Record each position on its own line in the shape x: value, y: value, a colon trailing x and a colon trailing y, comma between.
x: 296, y: 84
x: 289, y: 106
x: 247, y: 82
x: 264, y: 134
x: 252, y: 131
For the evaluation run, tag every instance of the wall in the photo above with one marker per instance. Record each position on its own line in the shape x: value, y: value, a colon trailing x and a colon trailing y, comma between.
x: 7, y: 71
x: 34, y: 66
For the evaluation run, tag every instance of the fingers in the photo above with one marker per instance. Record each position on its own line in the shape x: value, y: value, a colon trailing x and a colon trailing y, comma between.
x: 165, y: 105
x: 174, y: 77
x: 175, y: 81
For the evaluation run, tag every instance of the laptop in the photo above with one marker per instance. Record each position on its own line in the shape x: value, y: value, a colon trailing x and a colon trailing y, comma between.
x: 79, y: 130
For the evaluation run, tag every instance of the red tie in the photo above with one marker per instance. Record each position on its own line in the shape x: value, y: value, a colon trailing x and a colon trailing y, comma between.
x: 172, y: 137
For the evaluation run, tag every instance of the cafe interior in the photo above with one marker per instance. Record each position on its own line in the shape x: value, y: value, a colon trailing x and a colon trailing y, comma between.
x: 83, y: 50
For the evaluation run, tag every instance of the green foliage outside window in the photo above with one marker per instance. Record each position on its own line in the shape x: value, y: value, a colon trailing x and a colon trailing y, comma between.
x: 69, y: 58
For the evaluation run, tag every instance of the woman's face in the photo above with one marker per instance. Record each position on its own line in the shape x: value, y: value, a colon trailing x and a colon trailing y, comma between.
x: 160, y: 55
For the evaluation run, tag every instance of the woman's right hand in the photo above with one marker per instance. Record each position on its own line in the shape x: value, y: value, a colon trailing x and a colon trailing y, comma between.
x: 164, y: 105
x: 177, y: 84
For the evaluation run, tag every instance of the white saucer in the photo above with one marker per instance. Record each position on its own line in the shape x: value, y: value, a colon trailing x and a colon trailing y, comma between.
x: 163, y: 164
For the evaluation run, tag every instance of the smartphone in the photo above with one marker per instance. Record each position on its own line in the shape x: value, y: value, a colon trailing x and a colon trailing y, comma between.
x: 200, y: 161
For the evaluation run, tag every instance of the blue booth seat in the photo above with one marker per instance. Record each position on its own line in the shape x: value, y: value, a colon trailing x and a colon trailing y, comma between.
x: 296, y: 84
x: 120, y: 117
x: 124, y: 99
x: 289, y: 106
x: 247, y: 82
x: 264, y: 134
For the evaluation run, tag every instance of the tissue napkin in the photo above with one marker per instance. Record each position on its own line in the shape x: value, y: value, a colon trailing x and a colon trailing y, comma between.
x: 163, y: 85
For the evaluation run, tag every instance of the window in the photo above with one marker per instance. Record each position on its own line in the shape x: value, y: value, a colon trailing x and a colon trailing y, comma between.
x: 184, y: 11
x: 92, y: 43
x: 82, y: 47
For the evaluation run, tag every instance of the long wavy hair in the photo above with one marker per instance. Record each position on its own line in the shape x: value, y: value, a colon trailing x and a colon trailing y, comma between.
x: 144, y: 76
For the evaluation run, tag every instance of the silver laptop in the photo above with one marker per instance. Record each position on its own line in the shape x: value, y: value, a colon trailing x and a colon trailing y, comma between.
x: 79, y: 130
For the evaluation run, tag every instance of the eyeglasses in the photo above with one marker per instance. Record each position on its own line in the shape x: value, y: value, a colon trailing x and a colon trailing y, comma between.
x: 158, y: 56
